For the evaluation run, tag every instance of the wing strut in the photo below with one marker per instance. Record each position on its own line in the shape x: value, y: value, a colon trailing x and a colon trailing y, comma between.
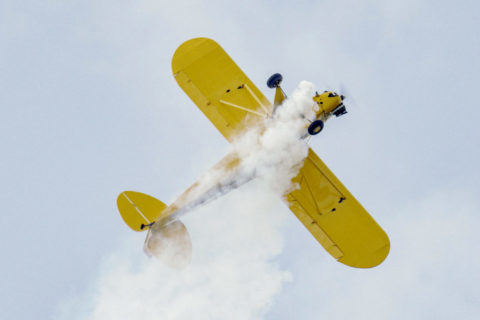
x: 256, y: 98
x: 242, y: 108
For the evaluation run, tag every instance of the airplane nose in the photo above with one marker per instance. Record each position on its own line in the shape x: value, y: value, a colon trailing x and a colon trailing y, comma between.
x: 342, y: 97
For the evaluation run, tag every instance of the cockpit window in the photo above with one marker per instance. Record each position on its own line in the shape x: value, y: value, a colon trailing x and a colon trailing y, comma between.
x: 331, y: 95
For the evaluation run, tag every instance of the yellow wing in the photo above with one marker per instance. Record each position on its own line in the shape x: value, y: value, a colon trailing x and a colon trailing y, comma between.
x: 218, y: 86
x: 335, y: 218
x: 232, y: 103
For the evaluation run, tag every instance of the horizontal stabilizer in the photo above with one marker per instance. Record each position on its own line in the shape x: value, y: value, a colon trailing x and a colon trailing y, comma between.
x: 139, y: 210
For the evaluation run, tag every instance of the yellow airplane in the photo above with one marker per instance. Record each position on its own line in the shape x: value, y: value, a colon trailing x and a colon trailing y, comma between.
x: 233, y: 104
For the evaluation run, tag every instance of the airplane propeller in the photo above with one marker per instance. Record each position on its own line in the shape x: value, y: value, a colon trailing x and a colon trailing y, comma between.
x: 345, y: 93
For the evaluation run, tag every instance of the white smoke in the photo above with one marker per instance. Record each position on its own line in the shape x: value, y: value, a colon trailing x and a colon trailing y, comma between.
x: 233, y: 274
x: 275, y: 149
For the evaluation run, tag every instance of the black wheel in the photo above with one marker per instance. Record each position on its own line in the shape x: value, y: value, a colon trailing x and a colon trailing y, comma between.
x: 315, y: 127
x: 274, y: 80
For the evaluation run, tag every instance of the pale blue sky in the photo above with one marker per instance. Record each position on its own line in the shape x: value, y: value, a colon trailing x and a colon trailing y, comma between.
x: 89, y: 108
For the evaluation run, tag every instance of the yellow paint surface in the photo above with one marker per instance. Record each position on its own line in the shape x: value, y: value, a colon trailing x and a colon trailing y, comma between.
x: 139, y: 209
x: 335, y: 218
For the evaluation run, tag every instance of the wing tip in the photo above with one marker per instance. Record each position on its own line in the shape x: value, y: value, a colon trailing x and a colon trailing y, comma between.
x: 184, y: 54
x: 371, y: 260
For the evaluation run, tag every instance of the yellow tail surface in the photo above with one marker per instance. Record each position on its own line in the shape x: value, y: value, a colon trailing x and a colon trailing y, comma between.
x: 139, y: 210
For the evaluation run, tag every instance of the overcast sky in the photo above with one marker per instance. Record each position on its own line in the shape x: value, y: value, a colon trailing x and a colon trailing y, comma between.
x: 89, y: 108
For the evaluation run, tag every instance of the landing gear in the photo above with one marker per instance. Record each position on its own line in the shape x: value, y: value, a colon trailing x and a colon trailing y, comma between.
x: 274, y: 83
x: 274, y: 80
x: 315, y: 127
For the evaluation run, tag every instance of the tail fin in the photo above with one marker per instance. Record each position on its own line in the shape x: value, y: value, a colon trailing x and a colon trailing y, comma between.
x: 139, y: 210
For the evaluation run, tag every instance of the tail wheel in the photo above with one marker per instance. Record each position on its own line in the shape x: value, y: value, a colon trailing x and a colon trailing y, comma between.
x: 315, y: 127
x: 274, y: 80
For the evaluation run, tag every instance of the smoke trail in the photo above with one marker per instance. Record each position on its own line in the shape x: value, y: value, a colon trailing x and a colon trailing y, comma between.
x: 274, y: 150
x: 236, y: 239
